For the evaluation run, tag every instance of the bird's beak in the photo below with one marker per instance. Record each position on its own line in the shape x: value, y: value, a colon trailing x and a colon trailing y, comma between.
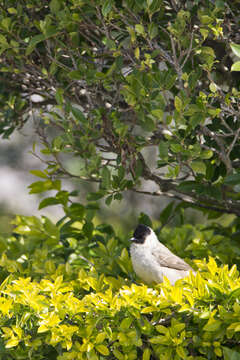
x: 132, y: 239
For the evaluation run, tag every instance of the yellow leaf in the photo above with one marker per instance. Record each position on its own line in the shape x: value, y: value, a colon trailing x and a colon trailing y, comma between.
x: 162, y: 329
x: 12, y: 342
x: 148, y: 309
x: 212, y: 266
x: 5, y: 305
x: 137, y: 53
x: 237, y: 328
x: 42, y: 329
x: 212, y: 325
x: 177, y: 294
x: 18, y: 331
x: 146, y: 354
x: 181, y: 352
x: 100, y: 338
x: 52, y: 320
x: 68, y: 344
x: 118, y: 354
x: 102, y: 349
x: 178, y: 104
x: 190, y: 298
x: 218, y: 351
x: 58, y: 282
x: 122, y: 338
x: 213, y: 87
x: 7, y: 332
x: 139, y: 29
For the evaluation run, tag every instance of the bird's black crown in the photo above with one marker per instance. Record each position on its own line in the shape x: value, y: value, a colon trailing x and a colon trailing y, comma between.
x: 141, y: 232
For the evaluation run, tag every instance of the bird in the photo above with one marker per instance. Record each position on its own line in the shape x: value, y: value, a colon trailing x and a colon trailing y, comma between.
x: 152, y: 260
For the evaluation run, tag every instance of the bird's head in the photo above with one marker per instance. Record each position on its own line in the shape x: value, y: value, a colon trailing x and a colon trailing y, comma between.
x: 144, y: 235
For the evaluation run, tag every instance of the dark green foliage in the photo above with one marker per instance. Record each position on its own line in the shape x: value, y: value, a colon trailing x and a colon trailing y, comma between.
x: 115, y: 78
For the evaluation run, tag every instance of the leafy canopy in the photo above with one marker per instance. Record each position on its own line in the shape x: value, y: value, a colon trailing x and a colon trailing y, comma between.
x: 116, y: 78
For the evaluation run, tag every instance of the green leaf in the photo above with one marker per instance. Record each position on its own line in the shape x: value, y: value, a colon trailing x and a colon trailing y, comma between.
x: 107, y: 7
x: 39, y: 173
x: 125, y: 324
x: 162, y: 329
x: 6, y: 23
x: 204, y: 33
x: 118, y: 196
x: 51, y: 230
x: 164, y: 340
x: 118, y: 354
x: 138, y: 169
x: 233, y: 179
x: 206, y: 154
x: 158, y: 113
x: 144, y: 219
x: 39, y: 38
x: 236, y: 49
x: 139, y: 29
x: 12, y: 10
x: 100, y: 338
x: 77, y: 113
x: 76, y: 210
x: 181, y: 352
x: 154, y: 6
x: 34, y: 41
x: 48, y: 202
x: 205, y: 19
x: 146, y: 354
x: 214, y: 191
x: 3, y: 40
x: 59, y: 96
x: 109, y: 200
x: 197, y: 119
x: 75, y: 75
x: 95, y: 195
x: 212, y: 325
x: 148, y: 124
x: 88, y: 229
x: 188, y: 186
x: 213, y: 87
x: 176, y: 147
x: 235, y: 293
x: 235, y: 66
x: 55, y: 6
x: 178, y: 104
x: 166, y: 212
x: 41, y: 186
x: 163, y: 150
x: 106, y: 178
x: 152, y: 30
x: 230, y: 354
x: 121, y: 173
x: 198, y: 167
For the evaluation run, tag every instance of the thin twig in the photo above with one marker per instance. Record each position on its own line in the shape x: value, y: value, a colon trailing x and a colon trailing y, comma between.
x: 189, y: 51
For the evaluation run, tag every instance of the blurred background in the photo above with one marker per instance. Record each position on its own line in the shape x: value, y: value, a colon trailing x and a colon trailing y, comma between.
x: 16, y: 161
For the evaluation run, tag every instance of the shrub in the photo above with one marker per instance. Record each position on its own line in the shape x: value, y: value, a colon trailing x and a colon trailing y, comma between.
x: 70, y: 309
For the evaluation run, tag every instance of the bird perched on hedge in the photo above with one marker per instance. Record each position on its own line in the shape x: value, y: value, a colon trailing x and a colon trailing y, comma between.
x: 152, y: 260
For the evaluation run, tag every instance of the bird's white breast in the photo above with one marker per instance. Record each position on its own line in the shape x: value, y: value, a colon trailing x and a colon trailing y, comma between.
x: 144, y: 264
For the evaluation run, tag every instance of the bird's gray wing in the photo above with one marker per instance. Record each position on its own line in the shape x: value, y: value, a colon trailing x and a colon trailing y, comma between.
x: 167, y: 259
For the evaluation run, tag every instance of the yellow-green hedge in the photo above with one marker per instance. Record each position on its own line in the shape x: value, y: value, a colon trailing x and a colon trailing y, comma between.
x: 73, y: 313
x: 68, y: 291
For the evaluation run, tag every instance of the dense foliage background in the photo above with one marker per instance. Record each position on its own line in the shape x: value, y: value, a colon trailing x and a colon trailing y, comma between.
x: 125, y: 97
